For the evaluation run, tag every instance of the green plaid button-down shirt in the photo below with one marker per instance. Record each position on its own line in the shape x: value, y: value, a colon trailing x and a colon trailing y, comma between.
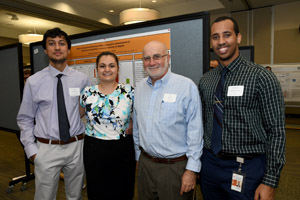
x: 253, y: 122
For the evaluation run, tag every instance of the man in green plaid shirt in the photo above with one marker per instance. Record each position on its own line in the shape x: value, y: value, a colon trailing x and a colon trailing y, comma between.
x: 251, y: 140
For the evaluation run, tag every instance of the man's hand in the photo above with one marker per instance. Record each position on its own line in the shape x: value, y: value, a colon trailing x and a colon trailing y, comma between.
x: 188, y: 181
x: 137, y: 165
x: 32, y: 158
x: 264, y: 192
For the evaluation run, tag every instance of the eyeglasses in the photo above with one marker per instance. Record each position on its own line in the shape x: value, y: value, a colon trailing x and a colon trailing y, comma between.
x: 155, y: 57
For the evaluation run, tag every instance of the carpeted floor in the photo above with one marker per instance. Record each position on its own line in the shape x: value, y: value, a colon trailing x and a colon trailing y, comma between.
x: 12, y: 165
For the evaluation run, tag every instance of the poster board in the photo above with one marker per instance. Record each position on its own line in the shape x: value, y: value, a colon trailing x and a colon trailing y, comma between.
x: 128, y: 48
x: 289, y: 78
x: 188, y: 46
x: 11, y: 87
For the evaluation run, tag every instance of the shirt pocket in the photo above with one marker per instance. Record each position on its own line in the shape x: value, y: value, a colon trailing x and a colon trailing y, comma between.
x: 168, y: 112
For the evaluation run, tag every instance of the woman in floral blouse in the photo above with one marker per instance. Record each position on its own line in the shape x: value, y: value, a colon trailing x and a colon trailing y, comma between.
x: 108, y: 147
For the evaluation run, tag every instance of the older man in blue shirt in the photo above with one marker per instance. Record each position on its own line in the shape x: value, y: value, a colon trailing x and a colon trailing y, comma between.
x: 167, y: 129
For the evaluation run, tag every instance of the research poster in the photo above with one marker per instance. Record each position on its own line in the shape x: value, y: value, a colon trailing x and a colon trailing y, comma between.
x: 289, y: 78
x: 128, y: 48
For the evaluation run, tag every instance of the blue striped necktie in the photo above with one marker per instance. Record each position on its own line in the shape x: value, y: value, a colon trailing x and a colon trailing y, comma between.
x: 216, y: 138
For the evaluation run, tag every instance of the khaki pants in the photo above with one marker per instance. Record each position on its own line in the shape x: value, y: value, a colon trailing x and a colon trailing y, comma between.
x: 48, y: 163
x: 161, y: 181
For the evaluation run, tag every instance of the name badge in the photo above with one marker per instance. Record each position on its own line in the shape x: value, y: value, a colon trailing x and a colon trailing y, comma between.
x: 237, y: 181
x: 74, y: 92
x: 235, y: 91
x: 170, y: 98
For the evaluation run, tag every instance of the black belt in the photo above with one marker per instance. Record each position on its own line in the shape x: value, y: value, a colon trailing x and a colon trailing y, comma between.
x: 164, y: 160
x: 72, y: 139
x: 230, y: 156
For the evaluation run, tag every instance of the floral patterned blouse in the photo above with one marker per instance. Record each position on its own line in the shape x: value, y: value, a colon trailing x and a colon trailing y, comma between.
x: 108, y: 116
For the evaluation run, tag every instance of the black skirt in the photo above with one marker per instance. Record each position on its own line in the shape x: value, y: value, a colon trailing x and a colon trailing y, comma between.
x: 110, y: 168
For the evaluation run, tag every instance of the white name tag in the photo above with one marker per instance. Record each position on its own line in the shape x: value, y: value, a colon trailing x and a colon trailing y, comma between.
x: 235, y: 91
x: 170, y: 98
x: 74, y: 92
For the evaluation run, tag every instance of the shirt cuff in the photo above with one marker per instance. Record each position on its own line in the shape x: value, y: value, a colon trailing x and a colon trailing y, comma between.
x: 137, y: 154
x: 31, y: 149
x: 193, y: 165
x: 270, y: 180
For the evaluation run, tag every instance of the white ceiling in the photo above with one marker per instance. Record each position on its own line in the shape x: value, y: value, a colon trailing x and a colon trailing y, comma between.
x: 77, y: 16
x: 25, y: 24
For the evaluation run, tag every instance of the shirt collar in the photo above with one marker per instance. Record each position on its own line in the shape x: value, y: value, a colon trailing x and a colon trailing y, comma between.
x: 162, y: 81
x: 54, y: 72
x: 234, y: 65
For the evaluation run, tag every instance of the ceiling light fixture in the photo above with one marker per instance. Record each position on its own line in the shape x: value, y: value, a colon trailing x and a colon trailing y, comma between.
x: 28, y: 38
x: 136, y: 15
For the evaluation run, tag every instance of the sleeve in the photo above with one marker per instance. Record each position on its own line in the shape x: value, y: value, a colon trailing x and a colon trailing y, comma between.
x: 129, y: 107
x: 135, y: 134
x: 85, y: 84
x: 194, y: 131
x: 273, y: 114
x: 132, y: 99
x: 25, y: 121
x: 83, y: 97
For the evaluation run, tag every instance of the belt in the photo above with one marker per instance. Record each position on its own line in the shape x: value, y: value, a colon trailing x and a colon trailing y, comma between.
x: 72, y: 139
x: 164, y: 160
x: 230, y: 156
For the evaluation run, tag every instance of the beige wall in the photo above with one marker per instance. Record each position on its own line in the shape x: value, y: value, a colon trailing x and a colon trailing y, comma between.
x: 242, y: 20
x: 274, y: 32
x: 287, y: 46
x: 286, y: 33
x: 26, y: 55
x: 6, y: 41
x: 262, y: 19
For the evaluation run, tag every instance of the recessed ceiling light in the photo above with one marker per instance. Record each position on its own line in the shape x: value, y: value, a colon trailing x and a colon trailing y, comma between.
x: 111, y: 11
x: 153, y: 1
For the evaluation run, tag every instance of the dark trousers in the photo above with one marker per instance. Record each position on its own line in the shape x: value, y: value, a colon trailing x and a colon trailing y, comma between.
x: 110, y: 168
x: 216, y: 177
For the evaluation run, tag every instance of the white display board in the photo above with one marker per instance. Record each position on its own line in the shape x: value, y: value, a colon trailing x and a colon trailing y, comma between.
x: 289, y: 77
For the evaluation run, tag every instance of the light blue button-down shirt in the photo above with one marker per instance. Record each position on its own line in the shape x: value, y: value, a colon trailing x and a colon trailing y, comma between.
x: 40, y: 104
x: 168, y: 119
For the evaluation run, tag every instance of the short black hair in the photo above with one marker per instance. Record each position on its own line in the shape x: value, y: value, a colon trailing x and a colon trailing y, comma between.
x: 235, y: 24
x: 52, y: 33
x: 107, y: 53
